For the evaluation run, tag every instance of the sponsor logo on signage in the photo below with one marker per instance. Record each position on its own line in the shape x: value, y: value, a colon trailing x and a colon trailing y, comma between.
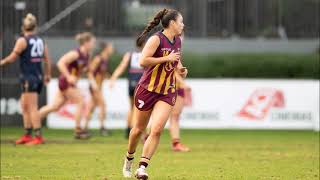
x: 10, y: 106
x: 261, y: 102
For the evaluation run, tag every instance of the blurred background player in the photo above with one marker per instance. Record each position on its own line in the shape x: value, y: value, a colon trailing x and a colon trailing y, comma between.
x: 174, y: 129
x: 156, y: 91
x: 71, y: 65
x: 135, y: 72
x: 98, y: 70
x: 32, y: 51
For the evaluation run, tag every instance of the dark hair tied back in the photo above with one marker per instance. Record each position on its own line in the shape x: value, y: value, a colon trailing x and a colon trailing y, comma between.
x: 165, y: 16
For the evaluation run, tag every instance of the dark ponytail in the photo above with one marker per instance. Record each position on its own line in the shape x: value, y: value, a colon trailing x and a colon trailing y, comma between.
x: 152, y: 24
x: 165, y: 16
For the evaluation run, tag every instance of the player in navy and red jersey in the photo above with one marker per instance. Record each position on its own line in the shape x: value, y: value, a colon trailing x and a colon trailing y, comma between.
x: 98, y: 70
x: 130, y: 61
x: 156, y: 92
x: 71, y: 65
x: 32, y: 52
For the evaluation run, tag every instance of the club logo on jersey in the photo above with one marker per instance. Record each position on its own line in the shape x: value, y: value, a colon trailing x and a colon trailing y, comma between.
x: 169, y: 65
x: 261, y: 102
x: 165, y: 53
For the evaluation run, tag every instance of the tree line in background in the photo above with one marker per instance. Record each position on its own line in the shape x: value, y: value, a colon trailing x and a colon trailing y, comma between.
x: 274, y: 66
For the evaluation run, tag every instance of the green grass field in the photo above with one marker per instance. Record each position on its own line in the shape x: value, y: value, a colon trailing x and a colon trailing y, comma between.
x: 216, y: 154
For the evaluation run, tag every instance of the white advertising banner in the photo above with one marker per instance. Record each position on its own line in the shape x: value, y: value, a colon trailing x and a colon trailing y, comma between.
x: 218, y: 103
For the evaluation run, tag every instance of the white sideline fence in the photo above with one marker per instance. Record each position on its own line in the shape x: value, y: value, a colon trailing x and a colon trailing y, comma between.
x: 217, y: 104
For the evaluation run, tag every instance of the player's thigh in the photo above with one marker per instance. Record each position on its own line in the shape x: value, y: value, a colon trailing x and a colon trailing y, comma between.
x: 131, y: 101
x: 32, y: 98
x: 74, y: 95
x: 23, y: 102
x: 141, y: 118
x: 177, y: 108
x: 58, y: 100
x: 98, y: 98
x: 160, y: 115
x: 29, y: 101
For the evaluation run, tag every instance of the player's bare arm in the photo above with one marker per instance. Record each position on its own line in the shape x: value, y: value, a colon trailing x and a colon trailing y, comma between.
x: 92, y: 66
x: 64, y: 62
x: 120, y: 69
x: 20, y: 45
x: 47, y: 65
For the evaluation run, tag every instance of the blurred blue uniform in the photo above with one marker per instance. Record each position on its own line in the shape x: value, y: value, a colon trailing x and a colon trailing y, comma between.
x: 135, y: 71
x: 31, y: 58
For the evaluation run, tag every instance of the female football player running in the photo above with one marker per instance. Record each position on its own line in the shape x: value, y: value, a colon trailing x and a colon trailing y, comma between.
x: 98, y: 70
x: 156, y: 92
x: 71, y: 65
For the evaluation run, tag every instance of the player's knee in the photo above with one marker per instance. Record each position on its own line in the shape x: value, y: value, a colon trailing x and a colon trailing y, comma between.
x: 25, y: 107
x: 103, y: 115
x: 80, y: 102
x: 102, y: 106
x: 33, y: 110
x: 137, y: 130
x: 156, y: 132
x: 175, y: 116
x: 53, y: 108
x: 88, y: 116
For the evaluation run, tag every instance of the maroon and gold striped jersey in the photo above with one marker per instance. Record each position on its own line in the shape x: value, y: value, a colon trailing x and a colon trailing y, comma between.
x: 161, y: 77
x: 100, y: 71
x: 78, y: 66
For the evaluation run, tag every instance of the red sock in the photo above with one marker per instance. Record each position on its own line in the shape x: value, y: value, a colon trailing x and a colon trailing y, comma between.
x: 175, y: 142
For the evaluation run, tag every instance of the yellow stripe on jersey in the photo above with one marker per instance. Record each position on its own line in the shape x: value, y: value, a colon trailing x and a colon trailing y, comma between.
x: 161, y: 81
x: 99, y: 79
x: 168, y: 83
x: 153, y: 77
x: 177, y: 82
x: 74, y: 72
x: 174, y: 82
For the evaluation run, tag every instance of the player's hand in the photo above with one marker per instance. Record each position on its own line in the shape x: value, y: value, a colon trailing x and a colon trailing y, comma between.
x: 72, y: 79
x: 2, y: 62
x: 47, y: 78
x: 173, y: 56
x: 183, y: 72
